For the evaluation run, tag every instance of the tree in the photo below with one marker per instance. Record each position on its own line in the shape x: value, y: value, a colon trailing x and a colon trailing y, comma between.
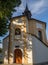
x: 6, y: 10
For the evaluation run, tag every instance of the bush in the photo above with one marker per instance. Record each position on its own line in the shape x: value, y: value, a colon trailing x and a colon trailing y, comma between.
x: 0, y: 50
x: 1, y: 61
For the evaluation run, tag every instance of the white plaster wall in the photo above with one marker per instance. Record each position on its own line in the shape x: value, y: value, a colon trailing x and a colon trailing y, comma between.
x: 40, y: 51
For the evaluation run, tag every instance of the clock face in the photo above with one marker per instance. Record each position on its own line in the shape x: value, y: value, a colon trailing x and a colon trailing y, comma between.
x: 17, y: 31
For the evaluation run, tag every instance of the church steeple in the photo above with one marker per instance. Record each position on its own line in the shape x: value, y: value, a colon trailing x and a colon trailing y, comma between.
x: 27, y: 12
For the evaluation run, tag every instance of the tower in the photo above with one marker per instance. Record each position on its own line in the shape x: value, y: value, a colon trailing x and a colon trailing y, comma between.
x: 18, y: 41
x: 27, y: 12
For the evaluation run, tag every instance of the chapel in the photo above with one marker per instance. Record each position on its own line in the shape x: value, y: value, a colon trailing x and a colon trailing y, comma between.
x: 26, y: 42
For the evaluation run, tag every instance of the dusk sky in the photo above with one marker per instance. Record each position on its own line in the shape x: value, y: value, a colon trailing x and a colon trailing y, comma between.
x: 38, y: 8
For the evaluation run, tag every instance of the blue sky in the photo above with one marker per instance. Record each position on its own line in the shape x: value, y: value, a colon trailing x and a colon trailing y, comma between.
x: 38, y: 8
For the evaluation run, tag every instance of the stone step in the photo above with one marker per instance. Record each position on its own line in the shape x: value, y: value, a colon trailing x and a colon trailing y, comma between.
x: 15, y: 64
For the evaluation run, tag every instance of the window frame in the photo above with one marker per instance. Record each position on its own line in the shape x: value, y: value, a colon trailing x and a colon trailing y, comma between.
x: 40, y: 34
x: 17, y: 31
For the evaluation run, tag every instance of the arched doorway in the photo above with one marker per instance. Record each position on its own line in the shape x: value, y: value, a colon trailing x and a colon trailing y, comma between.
x: 18, y: 56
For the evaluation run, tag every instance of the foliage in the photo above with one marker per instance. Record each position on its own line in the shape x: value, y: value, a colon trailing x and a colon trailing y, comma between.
x: 6, y: 10
x: 0, y: 50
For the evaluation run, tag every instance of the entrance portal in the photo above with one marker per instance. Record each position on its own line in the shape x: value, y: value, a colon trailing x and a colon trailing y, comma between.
x: 18, y: 56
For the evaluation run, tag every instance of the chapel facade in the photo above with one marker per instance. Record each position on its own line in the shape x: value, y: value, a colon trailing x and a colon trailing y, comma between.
x: 25, y: 34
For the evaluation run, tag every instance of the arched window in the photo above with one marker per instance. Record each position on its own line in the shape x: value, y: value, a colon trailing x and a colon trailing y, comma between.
x: 17, y: 31
x: 40, y: 35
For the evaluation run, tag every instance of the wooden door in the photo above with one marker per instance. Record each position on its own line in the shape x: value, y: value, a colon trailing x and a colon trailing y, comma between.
x: 18, y: 56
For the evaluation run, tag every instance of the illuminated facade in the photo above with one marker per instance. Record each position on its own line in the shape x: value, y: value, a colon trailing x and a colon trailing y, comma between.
x: 27, y: 37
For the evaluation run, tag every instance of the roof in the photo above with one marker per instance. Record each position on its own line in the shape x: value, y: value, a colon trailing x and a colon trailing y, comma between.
x: 6, y: 37
x: 29, y: 19
x: 38, y: 20
x: 40, y: 40
x: 34, y: 36
x: 17, y: 17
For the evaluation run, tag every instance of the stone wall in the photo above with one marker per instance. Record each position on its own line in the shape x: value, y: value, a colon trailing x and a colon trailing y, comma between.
x: 5, y: 50
x: 34, y: 28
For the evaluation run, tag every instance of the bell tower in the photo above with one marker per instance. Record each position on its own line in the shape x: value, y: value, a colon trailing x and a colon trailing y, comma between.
x: 27, y: 12
x: 18, y: 43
